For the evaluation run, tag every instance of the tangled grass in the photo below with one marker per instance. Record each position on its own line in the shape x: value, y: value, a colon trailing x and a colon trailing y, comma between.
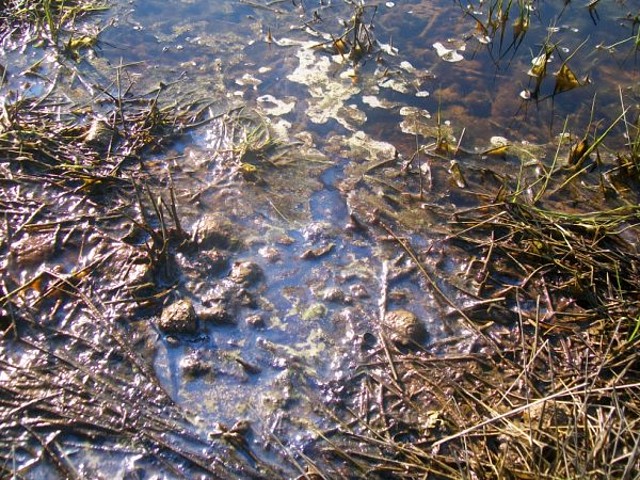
x: 545, y: 382
x: 73, y: 381
x: 546, y: 385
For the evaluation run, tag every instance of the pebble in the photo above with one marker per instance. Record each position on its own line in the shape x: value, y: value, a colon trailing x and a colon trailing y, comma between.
x: 179, y: 317
x: 404, y: 328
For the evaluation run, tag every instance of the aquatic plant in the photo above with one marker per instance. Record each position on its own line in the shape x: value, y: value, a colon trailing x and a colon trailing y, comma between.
x: 47, y: 21
x: 252, y: 139
x: 629, y: 158
x: 492, y: 21
x: 538, y: 377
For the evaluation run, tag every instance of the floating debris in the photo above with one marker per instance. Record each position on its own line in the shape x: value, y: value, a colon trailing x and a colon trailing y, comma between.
x: 273, y: 106
x: 374, y: 149
x: 248, y: 80
x: 447, y: 54
x: 388, y: 49
x: 328, y: 94
x: 525, y: 94
x: 417, y: 121
x: 539, y: 65
x: 351, y: 117
x: 565, y: 79
x: 375, y: 101
x: 456, y: 174
x: 317, y: 252
x: 396, y: 84
x: 407, y: 67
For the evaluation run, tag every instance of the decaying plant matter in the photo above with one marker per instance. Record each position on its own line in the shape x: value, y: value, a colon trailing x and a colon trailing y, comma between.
x: 545, y: 381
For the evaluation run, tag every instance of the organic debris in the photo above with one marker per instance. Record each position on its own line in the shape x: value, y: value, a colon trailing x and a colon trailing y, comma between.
x: 550, y: 305
x: 73, y: 379
x: 371, y: 297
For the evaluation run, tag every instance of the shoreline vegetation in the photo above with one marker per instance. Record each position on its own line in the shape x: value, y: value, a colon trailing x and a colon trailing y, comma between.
x: 544, y: 384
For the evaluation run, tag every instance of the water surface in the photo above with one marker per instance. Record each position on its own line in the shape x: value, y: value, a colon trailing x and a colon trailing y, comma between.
x: 349, y: 137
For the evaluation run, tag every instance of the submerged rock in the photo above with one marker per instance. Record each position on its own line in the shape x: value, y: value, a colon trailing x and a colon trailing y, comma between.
x: 194, y: 365
x: 179, y: 317
x: 404, y: 328
x: 312, y: 253
x: 334, y: 295
x: 255, y: 321
x: 217, y: 314
x: 214, y: 231
x: 205, y: 263
x: 319, y: 232
x: 358, y: 290
x: 216, y: 259
x: 245, y: 273
x: 270, y: 254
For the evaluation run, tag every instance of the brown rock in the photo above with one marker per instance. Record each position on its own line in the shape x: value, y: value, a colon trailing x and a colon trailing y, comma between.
x: 179, y: 317
x: 193, y: 365
x: 218, y: 314
x: 245, y: 273
x: 404, y: 328
x: 214, y: 231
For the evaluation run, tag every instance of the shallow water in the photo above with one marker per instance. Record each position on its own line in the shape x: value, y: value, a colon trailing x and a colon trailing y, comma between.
x: 344, y: 132
x: 219, y: 42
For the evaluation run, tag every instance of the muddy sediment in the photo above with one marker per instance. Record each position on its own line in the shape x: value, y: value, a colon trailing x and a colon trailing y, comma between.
x: 214, y: 264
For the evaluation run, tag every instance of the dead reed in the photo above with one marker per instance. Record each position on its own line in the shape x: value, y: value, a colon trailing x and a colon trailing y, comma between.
x: 545, y: 382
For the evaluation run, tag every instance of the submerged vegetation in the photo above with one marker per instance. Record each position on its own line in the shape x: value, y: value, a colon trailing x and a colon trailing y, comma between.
x: 87, y: 230
x: 547, y: 387
x: 108, y: 242
x: 72, y: 276
x: 543, y: 382
x: 49, y: 23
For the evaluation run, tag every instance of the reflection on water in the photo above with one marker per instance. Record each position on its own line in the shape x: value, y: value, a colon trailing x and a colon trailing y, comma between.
x: 254, y: 50
x: 309, y: 139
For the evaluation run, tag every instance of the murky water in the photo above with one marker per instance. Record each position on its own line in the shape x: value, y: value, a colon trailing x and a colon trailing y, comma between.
x: 341, y: 132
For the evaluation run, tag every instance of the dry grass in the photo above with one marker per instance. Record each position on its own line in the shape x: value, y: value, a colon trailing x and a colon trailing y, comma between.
x: 554, y: 396
x: 52, y: 23
x: 550, y: 392
x: 545, y: 383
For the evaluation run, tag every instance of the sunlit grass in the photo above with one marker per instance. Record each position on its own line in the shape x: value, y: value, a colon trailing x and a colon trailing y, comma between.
x: 553, y: 393
x: 45, y: 22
